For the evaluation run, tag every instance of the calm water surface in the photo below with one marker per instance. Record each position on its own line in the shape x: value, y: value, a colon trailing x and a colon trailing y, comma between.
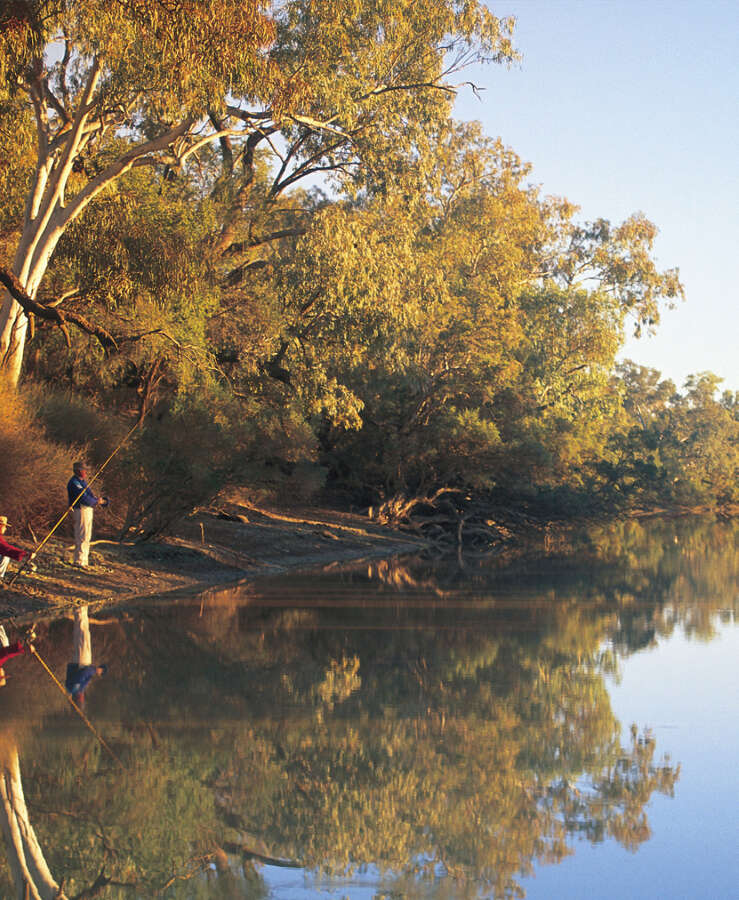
x: 566, y: 727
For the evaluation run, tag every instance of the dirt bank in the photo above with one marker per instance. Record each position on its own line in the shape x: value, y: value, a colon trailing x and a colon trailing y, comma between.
x: 231, y: 542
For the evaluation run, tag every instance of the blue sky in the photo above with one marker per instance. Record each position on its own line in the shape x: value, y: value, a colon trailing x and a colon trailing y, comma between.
x: 634, y: 106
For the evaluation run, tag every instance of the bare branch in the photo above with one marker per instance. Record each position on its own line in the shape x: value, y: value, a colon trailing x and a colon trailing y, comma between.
x: 207, y: 139
x: 200, y: 864
x: 247, y: 116
x: 232, y: 219
x: 225, y: 142
x: 42, y: 125
x: 236, y: 275
x: 121, y: 165
x: 285, y: 161
x: 316, y: 125
x: 242, y: 246
x: 412, y: 86
x: 96, y: 888
x: 56, y: 316
x: 55, y: 103
x: 304, y: 172
x: 56, y: 301
x: 60, y: 170
x: 63, y: 68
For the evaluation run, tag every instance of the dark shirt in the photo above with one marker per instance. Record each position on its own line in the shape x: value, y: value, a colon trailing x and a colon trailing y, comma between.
x: 77, y: 486
x: 78, y: 677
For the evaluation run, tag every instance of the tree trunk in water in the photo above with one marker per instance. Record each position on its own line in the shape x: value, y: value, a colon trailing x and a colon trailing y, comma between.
x: 30, y: 873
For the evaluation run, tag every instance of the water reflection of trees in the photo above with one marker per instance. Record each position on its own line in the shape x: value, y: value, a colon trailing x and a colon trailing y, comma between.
x: 655, y: 575
x: 474, y: 739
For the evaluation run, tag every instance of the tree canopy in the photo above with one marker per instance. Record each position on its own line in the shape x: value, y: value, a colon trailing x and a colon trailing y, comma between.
x: 270, y: 229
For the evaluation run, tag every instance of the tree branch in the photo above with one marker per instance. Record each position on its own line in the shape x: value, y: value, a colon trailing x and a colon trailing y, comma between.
x: 52, y: 314
x: 247, y: 116
x: 225, y: 142
x: 236, y: 275
x: 230, y: 226
x: 302, y: 173
x: 242, y: 246
x: 55, y: 103
x: 413, y: 86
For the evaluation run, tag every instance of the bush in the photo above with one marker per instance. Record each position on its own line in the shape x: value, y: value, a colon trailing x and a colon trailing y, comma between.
x: 182, y: 457
x: 34, y: 470
x: 72, y: 421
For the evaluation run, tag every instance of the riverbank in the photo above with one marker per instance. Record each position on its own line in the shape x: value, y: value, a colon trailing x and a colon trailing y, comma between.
x: 226, y: 543
x: 236, y: 540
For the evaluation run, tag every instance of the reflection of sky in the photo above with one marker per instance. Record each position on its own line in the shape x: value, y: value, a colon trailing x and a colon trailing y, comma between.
x: 687, y: 692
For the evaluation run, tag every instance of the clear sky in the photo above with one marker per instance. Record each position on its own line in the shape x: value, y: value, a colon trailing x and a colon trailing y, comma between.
x: 626, y: 106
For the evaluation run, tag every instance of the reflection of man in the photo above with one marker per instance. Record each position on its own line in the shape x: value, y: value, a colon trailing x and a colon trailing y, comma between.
x: 80, y: 671
x: 83, y: 501
x: 8, y: 551
x: 7, y: 651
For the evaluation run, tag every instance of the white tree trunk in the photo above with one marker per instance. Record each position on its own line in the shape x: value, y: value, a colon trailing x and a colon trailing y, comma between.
x: 48, y: 209
x: 31, y: 874
x: 30, y: 264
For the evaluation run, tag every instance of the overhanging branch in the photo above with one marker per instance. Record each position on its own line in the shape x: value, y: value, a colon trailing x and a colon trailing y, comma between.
x: 54, y: 315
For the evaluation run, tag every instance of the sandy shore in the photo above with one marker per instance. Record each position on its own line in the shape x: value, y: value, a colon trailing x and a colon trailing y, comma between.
x: 211, y: 547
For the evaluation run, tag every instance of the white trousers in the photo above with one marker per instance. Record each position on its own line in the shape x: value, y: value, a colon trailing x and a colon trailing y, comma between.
x: 81, y: 643
x: 82, y: 517
x: 4, y: 560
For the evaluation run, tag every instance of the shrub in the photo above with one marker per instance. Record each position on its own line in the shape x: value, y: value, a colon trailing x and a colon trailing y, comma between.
x: 34, y: 470
x: 73, y: 421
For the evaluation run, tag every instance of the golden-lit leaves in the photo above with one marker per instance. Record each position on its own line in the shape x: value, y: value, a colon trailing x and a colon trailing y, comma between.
x: 190, y: 50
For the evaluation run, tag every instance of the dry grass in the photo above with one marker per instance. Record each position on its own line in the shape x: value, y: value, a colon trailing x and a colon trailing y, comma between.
x: 33, y: 469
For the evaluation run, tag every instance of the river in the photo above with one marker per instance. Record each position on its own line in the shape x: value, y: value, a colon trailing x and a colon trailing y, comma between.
x: 561, y: 727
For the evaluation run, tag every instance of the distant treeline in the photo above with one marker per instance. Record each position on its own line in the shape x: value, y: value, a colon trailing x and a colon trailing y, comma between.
x: 274, y: 244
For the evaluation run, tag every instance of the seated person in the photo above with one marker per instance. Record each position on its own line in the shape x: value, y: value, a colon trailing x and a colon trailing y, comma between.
x: 8, y: 551
x: 7, y: 651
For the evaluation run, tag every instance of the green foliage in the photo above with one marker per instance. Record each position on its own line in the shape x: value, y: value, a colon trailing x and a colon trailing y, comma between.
x: 179, y: 461
x: 434, y: 322
x: 673, y: 447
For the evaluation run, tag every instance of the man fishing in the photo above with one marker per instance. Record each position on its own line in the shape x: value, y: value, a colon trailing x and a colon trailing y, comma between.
x: 83, y: 501
x: 8, y: 551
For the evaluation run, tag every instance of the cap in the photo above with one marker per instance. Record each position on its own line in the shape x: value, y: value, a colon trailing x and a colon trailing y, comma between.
x: 4, y: 520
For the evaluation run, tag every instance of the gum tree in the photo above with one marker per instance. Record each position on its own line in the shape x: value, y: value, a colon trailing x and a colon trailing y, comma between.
x: 116, y: 85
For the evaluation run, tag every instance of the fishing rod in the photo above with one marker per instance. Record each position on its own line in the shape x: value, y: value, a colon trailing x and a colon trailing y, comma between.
x: 34, y: 652
x: 69, y: 509
x: 31, y: 634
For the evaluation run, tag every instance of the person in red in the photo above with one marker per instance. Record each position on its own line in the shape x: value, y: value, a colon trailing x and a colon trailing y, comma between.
x: 8, y: 551
x: 7, y: 651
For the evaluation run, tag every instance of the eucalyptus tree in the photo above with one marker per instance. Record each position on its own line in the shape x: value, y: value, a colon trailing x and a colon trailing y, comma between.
x: 674, y: 446
x: 118, y: 85
x: 32, y: 877
x: 474, y: 335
